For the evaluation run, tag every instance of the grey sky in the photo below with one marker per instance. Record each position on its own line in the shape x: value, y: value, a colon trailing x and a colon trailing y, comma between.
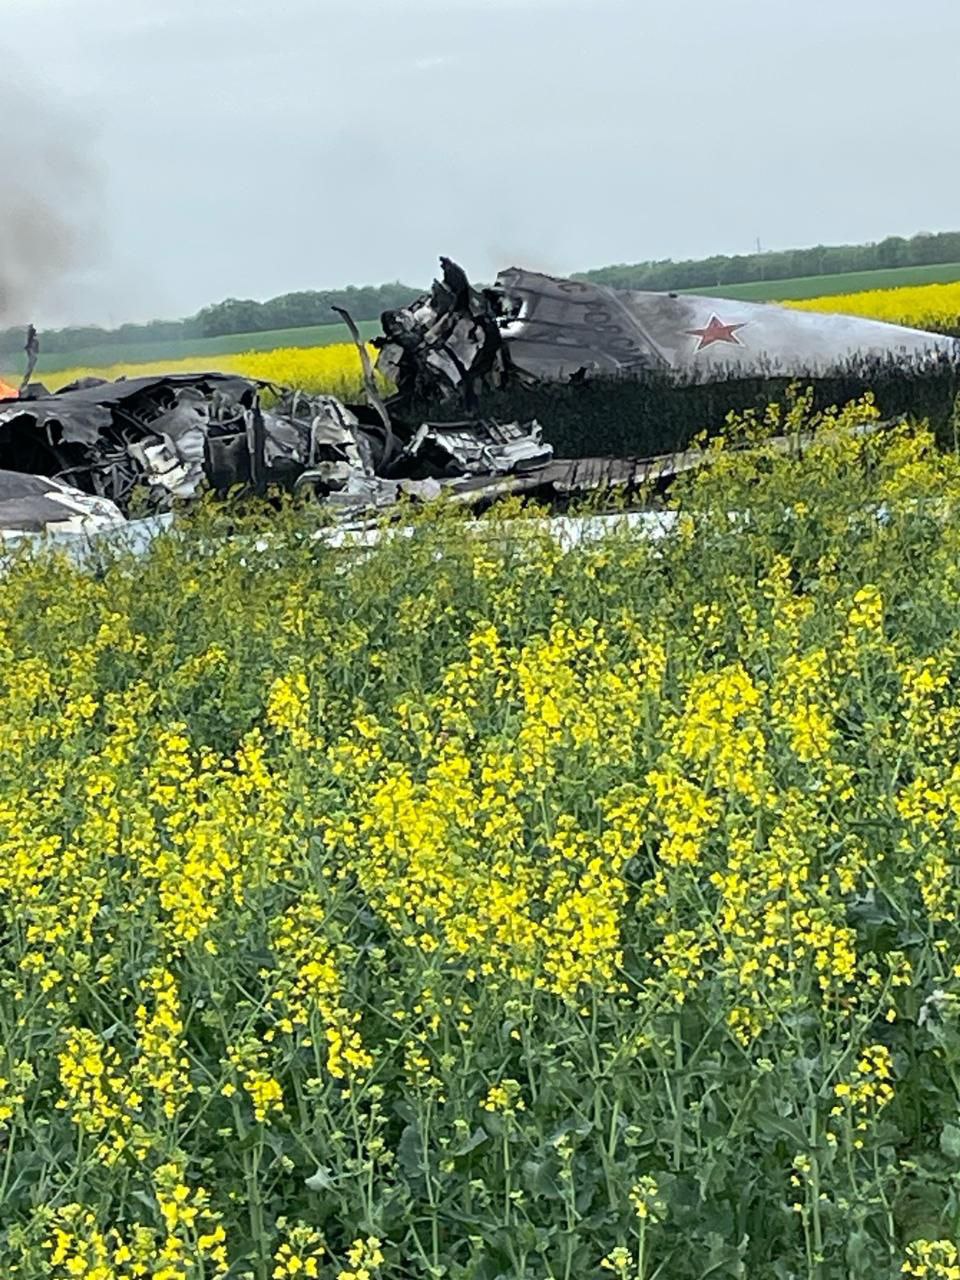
x: 250, y: 147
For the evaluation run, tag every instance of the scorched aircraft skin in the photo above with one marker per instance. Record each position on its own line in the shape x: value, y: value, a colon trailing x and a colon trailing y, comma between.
x: 540, y: 328
x: 564, y: 326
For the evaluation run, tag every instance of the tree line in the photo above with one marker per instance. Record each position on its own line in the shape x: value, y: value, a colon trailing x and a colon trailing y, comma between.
x: 313, y: 307
x: 790, y: 264
x: 234, y: 315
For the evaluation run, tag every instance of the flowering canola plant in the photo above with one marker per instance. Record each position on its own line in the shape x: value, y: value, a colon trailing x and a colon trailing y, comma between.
x: 471, y: 907
x: 333, y: 369
x: 929, y: 306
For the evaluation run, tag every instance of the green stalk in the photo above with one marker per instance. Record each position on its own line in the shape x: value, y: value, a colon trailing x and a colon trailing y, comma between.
x: 679, y: 1104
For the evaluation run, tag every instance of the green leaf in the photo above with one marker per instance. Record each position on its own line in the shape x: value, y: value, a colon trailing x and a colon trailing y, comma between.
x: 321, y: 1180
x: 476, y: 1139
x: 950, y: 1141
x: 409, y: 1151
x: 539, y: 1179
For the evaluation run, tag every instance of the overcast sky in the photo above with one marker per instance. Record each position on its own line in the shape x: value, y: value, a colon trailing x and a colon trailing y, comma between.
x: 200, y: 149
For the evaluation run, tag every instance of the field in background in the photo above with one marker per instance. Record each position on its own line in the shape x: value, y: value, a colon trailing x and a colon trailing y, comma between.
x: 200, y: 351
x: 205, y: 351
x: 823, y: 286
x: 334, y: 369
x: 933, y: 306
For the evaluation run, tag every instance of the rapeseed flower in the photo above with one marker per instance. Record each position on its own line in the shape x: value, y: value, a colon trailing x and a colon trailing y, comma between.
x: 484, y: 877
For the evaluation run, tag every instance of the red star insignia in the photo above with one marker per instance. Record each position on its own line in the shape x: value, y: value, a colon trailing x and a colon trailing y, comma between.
x: 716, y: 332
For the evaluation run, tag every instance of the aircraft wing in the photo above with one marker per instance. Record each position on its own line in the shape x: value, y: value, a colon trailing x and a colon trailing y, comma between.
x: 559, y: 327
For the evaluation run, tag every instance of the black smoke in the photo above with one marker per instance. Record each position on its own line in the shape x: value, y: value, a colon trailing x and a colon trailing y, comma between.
x: 48, y: 195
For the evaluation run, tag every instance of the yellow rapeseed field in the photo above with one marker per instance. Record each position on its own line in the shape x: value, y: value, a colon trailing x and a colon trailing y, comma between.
x: 468, y: 907
x: 931, y: 306
x: 334, y: 369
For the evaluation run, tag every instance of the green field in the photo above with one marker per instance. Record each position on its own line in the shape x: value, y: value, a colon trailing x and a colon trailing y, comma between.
x: 827, y: 286
x: 106, y: 354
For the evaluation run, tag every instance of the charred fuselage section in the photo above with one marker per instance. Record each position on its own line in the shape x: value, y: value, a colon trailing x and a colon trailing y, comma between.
x: 148, y: 442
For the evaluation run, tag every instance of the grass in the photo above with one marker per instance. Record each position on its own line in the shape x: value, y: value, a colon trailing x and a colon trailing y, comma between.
x: 824, y: 286
x: 472, y: 908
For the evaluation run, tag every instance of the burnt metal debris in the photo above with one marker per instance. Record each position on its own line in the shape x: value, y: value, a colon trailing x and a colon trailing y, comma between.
x: 85, y: 457
x: 41, y: 504
x: 147, y: 442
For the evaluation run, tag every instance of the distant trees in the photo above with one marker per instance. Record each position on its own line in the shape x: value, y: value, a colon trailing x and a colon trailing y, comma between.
x: 234, y: 315
x: 77, y: 337
x: 822, y: 260
x: 296, y: 310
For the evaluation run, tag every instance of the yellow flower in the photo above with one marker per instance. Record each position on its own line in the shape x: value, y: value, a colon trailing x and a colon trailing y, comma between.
x: 504, y: 1098
x: 932, y: 1259
x: 365, y: 1257
x: 646, y: 1200
x: 299, y: 1254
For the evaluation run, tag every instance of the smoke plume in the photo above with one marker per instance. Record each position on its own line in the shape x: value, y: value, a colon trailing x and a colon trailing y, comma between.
x: 48, y: 192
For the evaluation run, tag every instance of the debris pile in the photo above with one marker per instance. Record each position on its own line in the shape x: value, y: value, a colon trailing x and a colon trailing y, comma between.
x: 168, y: 438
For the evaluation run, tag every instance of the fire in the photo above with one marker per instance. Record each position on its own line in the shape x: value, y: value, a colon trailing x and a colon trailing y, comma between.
x: 7, y: 392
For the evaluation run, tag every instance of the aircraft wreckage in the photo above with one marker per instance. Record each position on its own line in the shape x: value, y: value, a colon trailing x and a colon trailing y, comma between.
x: 535, y: 328
x: 78, y: 459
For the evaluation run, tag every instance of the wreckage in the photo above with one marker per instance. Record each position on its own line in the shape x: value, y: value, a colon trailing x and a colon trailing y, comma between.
x: 101, y: 445
x: 533, y: 328
x: 83, y: 458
